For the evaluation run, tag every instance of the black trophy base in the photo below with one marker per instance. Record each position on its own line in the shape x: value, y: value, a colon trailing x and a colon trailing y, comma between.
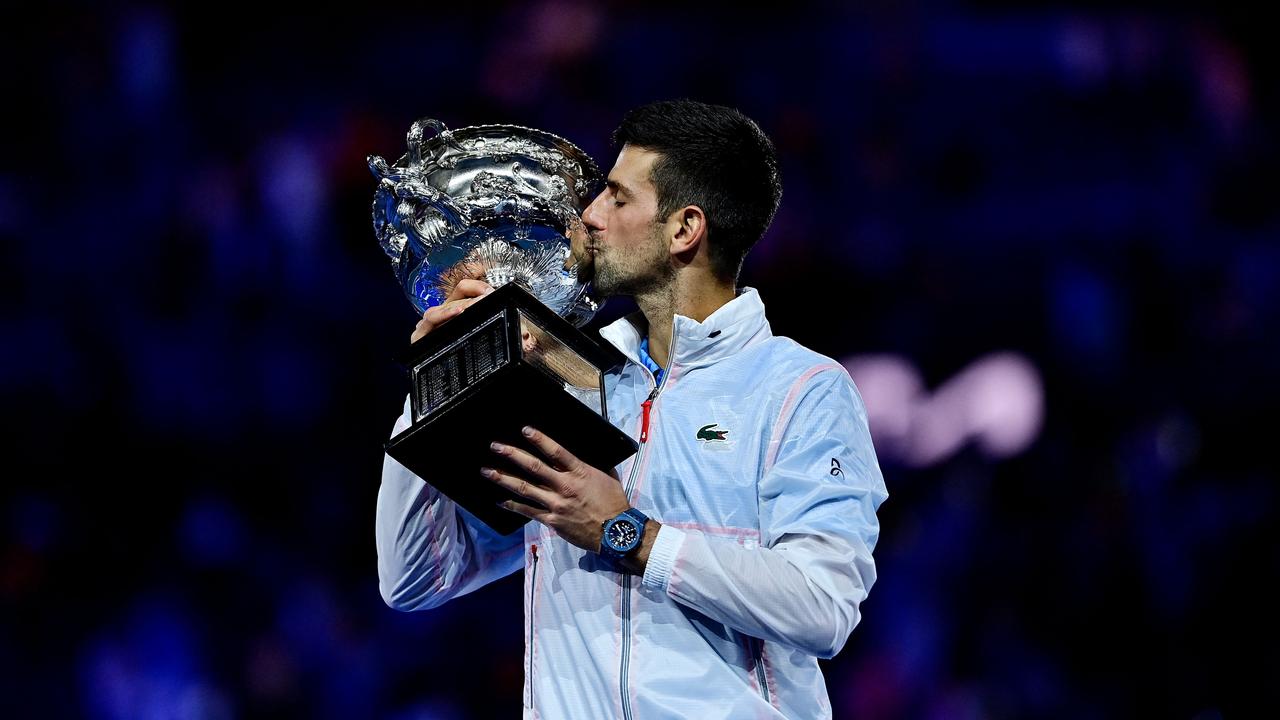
x: 448, y: 446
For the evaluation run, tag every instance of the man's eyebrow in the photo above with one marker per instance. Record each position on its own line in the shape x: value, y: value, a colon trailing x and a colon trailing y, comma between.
x: 616, y: 187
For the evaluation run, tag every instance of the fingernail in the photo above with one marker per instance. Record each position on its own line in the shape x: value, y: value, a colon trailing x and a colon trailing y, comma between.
x: 496, y: 447
x: 528, y: 431
x: 487, y: 290
x: 487, y: 472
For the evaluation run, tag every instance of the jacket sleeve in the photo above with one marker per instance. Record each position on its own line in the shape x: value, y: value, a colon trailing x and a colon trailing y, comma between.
x: 818, y: 496
x: 429, y: 550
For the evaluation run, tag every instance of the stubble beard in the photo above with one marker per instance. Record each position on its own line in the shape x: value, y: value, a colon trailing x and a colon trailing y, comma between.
x: 635, y: 271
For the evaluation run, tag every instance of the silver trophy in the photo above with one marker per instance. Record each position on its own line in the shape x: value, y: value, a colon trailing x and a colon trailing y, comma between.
x: 491, y: 201
x: 498, y: 203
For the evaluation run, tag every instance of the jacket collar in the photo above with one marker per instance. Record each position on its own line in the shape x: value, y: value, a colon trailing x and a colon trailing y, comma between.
x: 731, y: 328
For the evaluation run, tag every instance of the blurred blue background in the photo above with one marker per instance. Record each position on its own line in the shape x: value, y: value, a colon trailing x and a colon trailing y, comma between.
x: 1043, y: 238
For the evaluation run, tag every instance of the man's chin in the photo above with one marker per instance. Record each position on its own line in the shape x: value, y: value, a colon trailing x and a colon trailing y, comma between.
x: 603, y: 290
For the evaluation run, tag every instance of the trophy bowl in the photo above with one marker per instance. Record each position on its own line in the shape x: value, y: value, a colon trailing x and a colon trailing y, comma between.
x: 492, y: 202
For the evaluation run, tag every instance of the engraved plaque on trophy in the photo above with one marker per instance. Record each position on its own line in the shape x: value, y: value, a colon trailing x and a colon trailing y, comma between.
x: 498, y: 203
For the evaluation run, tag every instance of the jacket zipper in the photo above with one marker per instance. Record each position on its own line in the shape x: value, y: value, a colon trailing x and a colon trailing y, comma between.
x: 625, y: 663
x: 645, y: 407
x: 533, y: 597
x: 757, y: 652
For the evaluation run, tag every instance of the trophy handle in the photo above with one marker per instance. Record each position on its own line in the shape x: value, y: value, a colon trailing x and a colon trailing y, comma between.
x: 381, y: 170
x: 417, y: 137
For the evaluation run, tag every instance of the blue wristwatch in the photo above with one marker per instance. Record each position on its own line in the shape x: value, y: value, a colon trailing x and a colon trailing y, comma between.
x: 622, y: 534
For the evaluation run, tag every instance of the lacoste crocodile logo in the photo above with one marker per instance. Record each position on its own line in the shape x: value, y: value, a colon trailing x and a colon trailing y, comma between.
x: 707, y: 434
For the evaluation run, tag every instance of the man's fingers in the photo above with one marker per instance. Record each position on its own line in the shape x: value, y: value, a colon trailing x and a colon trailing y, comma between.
x: 460, y: 305
x: 437, y: 316
x: 469, y: 288
x: 552, y: 450
x: 528, y: 463
x: 519, y: 486
x: 424, y: 326
x: 464, y: 294
x: 528, y: 511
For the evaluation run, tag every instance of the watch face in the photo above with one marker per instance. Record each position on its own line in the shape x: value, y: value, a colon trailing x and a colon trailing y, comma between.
x: 622, y: 534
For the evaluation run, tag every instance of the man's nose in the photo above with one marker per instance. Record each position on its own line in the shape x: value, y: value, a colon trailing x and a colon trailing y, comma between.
x: 591, y: 216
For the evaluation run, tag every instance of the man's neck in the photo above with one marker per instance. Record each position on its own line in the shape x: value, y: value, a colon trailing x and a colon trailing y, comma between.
x: 662, y: 305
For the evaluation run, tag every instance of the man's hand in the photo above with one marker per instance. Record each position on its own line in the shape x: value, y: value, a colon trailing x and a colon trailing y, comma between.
x: 464, y: 294
x: 578, y: 497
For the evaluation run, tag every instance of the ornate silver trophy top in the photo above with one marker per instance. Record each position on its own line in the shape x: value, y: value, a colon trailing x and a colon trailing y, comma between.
x: 494, y: 202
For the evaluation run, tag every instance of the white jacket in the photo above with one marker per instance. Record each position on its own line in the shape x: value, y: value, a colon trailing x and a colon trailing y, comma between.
x: 759, y: 466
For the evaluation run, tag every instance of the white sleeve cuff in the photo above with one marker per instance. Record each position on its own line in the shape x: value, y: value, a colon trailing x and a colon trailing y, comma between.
x: 405, y: 419
x: 662, y: 558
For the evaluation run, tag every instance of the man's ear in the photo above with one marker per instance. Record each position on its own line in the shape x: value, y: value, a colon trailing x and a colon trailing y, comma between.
x: 690, y: 229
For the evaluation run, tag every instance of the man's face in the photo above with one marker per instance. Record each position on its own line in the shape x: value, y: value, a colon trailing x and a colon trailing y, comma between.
x: 626, y: 250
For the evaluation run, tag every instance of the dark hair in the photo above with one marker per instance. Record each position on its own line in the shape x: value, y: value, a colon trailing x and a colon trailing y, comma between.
x: 713, y: 157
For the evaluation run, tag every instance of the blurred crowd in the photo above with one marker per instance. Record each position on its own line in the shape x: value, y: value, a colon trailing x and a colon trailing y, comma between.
x: 198, y: 328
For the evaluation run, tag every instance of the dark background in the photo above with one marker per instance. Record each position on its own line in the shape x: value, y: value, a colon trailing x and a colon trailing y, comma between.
x: 198, y: 328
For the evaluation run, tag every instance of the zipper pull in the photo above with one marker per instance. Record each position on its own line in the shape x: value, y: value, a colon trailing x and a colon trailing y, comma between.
x: 534, y: 549
x: 646, y: 406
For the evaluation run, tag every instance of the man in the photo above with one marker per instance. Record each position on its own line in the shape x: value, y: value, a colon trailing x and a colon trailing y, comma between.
x: 756, y: 484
